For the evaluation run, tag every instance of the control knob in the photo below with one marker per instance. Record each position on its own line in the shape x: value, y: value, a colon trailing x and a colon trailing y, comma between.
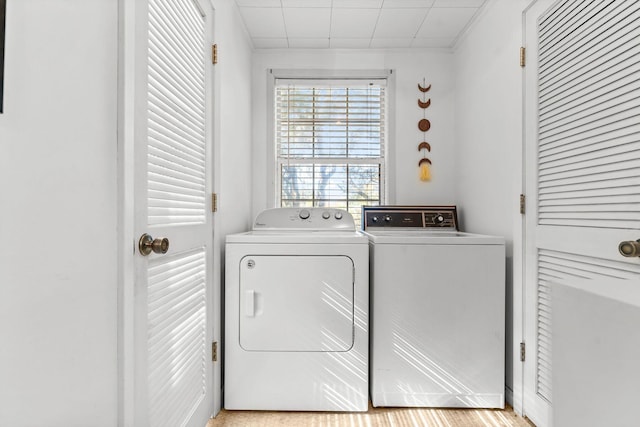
x: 387, y: 218
x: 326, y: 215
x: 338, y: 215
x: 439, y: 219
x: 304, y: 214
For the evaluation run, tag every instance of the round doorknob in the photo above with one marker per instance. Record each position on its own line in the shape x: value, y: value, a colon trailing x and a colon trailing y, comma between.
x: 630, y: 248
x: 148, y: 244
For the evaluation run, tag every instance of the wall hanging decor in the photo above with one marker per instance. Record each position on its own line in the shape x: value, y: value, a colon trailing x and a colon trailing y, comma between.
x: 424, y: 125
x: 425, y: 172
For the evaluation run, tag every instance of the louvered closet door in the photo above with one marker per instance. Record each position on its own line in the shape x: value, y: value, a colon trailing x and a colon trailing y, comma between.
x: 173, y: 177
x: 583, y: 162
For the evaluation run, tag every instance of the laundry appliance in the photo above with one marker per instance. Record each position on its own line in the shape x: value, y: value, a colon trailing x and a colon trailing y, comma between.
x: 296, y: 313
x: 437, y: 310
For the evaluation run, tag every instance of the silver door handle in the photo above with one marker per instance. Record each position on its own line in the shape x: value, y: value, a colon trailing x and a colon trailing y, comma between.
x: 148, y: 244
x: 630, y: 248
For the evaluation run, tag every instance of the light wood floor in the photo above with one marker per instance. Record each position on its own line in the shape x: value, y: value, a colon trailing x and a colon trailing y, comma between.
x: 375, y: 417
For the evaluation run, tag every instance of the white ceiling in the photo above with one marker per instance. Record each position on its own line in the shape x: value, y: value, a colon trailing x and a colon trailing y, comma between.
x: 356, y: 24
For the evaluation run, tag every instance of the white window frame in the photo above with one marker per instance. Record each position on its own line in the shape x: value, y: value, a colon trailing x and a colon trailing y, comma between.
x: 386, y: 171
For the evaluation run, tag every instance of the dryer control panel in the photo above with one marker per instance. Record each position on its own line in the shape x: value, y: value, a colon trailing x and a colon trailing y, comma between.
x: 412, y: 217
x: 309, y: 219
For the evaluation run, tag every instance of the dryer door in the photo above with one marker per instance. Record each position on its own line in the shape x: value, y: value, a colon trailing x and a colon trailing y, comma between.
x: 296, y: 303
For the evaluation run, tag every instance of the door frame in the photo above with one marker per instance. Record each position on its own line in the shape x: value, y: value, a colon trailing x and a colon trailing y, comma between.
x: 125, y: 212
x: 127, y: 393
x: 520, y: 241
x: 528, y: 404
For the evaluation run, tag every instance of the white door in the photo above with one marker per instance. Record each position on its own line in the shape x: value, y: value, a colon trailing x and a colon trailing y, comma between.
x: 172, y: 177
x: 582, y: 148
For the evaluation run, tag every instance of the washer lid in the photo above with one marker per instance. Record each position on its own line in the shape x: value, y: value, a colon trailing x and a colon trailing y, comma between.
x: 429, y: 237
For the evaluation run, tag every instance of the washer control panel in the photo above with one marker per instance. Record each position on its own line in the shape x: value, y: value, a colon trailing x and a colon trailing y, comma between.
x: 304, y: 219
x: 413, y: 217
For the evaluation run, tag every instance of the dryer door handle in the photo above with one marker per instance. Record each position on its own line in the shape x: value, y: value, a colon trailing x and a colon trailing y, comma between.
x: 249, y: 303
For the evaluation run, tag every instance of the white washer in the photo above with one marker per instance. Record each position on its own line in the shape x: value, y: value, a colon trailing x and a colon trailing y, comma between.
x: 437, y: 310
x: 296, y: 313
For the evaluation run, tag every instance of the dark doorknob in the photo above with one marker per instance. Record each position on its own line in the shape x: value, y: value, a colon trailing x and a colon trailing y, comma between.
x: 630, y: 248
x: 148, y: 244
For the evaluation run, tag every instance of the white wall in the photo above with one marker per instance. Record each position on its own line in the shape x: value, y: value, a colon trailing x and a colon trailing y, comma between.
x: 488, y: 113
x: 58, y: 215
x: 409, y: 67
x: 232, y: 141
x: 233, y: 94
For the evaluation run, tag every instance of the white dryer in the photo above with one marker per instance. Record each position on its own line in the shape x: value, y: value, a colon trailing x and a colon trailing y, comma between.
x: 296, y: 313
x: 437, y: 310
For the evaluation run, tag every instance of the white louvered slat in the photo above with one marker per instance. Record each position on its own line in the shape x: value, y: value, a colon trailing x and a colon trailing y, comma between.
x: 591, y: 267
x: 588, y: 186
x: 185, y: 154
x: 593, y: 42
x: 580, y: 122
x: 607, y: 178
x: 564, y: 19
x: 543, y: 348
x: 592, y: 99
x: 585, y: 171
x: 585, y: 24
x: 176, y: 103
x: 163, y: 161
x: 164, y: 177
x: 631, y: 203
x: 589, y: 115
x: 175, y: 193
x: 553, y: 267
x: 594, y: 196
x: 617, y: 121
x: 176, y: 336
x: 598, y: 150
x: 619, y: 137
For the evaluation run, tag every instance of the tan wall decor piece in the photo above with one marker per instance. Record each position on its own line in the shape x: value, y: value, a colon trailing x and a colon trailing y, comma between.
x: 424, y: 125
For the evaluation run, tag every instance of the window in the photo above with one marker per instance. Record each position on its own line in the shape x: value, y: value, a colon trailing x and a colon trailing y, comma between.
x: 330, y: 143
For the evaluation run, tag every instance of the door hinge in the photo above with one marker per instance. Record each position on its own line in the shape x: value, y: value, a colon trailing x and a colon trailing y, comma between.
x: 523, y: 351
x: 214, y: 351
x: 523, y: 56
x: 523, y: 201
x: 214, y: 202
x: 214, y: 54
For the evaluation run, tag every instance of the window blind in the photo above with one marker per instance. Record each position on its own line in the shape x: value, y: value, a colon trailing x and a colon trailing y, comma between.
x: 330, y: 143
